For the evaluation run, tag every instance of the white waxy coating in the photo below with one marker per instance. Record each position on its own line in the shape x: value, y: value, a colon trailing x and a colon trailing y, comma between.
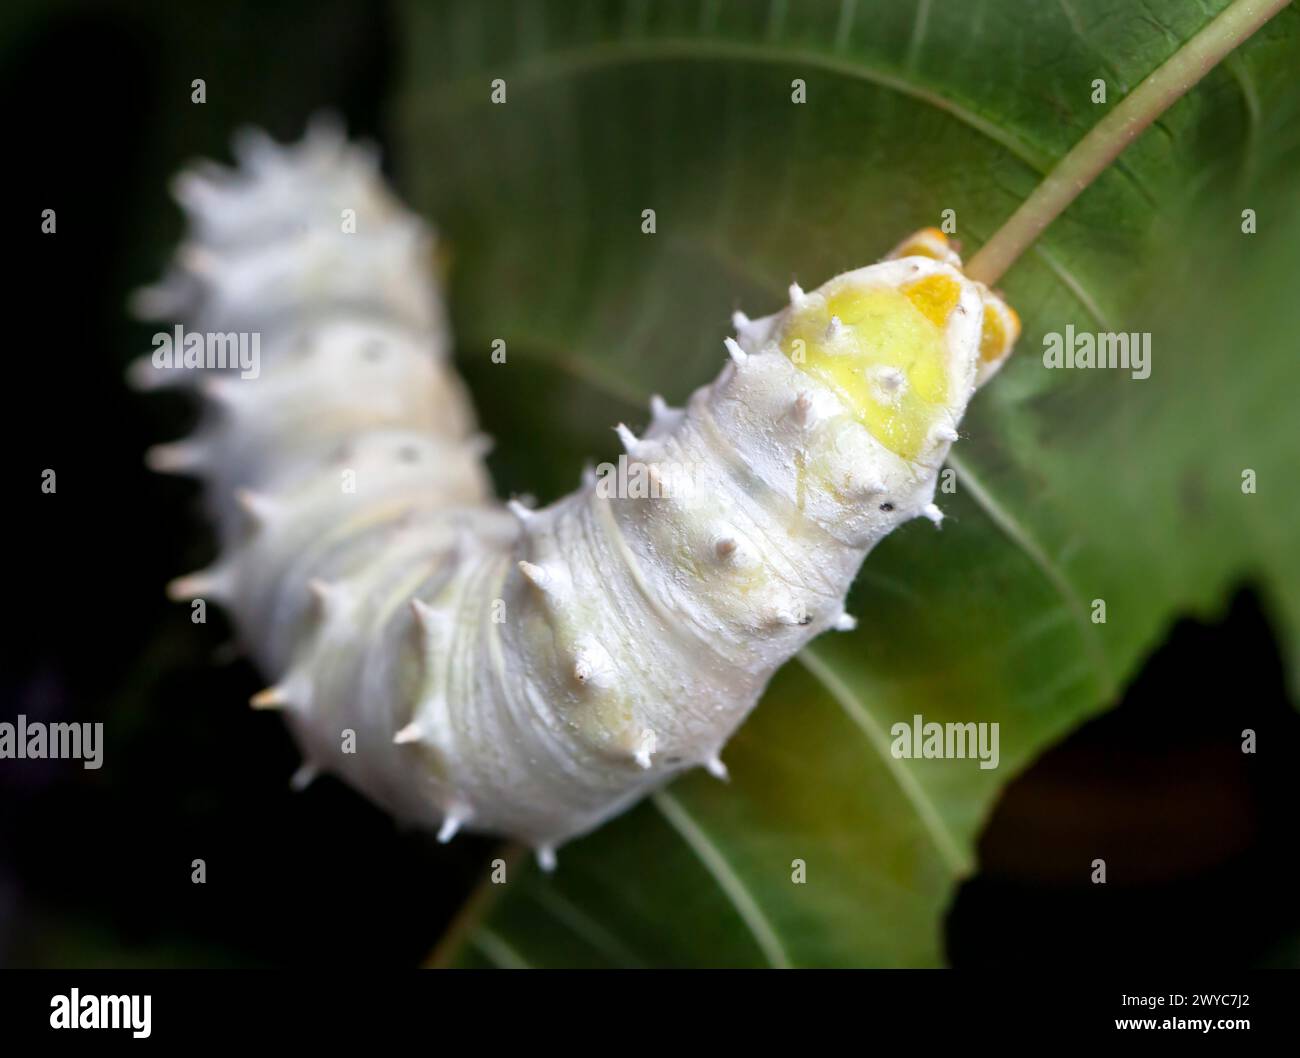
x: 525, y: 673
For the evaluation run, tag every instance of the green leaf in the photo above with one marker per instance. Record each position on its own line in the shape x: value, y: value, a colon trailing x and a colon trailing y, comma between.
x: 1072, y: 486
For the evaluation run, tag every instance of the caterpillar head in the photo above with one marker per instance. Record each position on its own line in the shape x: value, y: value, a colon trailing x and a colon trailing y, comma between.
x: 890, y: 355
x: 903, y: 343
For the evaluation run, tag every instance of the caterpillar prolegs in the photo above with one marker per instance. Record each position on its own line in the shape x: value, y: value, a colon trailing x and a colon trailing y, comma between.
x: 520, y: 672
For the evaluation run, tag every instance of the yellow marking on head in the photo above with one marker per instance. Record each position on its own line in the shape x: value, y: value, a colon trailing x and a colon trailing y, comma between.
x: 993, y: 336
x: 928, y: 242
x: 936, y: 296
x: 1000, y: 331
x: 887, y: 360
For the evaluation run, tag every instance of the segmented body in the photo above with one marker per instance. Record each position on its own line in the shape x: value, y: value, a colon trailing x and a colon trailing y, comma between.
x: 532, y: 673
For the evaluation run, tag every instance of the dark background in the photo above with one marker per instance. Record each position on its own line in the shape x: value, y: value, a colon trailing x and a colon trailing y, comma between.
x: 95, y: 865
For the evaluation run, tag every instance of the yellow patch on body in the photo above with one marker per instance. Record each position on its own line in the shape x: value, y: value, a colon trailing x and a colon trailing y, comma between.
x: 1000, y: 331
x: 887, y: 359
x: 936, y: 296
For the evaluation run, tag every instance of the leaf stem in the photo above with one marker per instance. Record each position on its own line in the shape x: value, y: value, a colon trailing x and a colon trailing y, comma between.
x: 1088, y: 158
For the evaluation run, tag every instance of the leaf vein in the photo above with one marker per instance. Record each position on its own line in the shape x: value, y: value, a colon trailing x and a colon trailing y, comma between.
x: 728, y: 881
x: 945, y: 841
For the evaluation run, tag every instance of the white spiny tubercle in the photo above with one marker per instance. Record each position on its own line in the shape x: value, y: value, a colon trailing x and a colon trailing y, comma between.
x: 176, y: 457
x: 866, y: 488
x: 261, y: 509
x: 306, y: 774
x: 198, y: 260
x: 191, y: 191
x: 628, y: 439
x: 592, y: 664
x: 789, y: 613
x: 749, y: 332
x: 429, y: 618
x: 845, y: 623
x: 332, y: 600
x: 141, y: 373
x: 664, y: 418
x: 537, y: 575
x: 274, y: 697
x: 412, y: 732
x: 645, y: 749
x: 212, y: 582
x: 223, y: 391
x: 519, y: 672
x: 717, y: 769
x: 932, y: 512
x: 888, y: 384
x: 801, y: 409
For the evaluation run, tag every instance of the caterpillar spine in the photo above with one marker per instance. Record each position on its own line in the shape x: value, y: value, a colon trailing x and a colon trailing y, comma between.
x: 516, y: 671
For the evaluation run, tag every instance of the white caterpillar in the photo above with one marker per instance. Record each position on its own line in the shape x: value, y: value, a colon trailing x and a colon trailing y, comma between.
x: 531, y: 673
